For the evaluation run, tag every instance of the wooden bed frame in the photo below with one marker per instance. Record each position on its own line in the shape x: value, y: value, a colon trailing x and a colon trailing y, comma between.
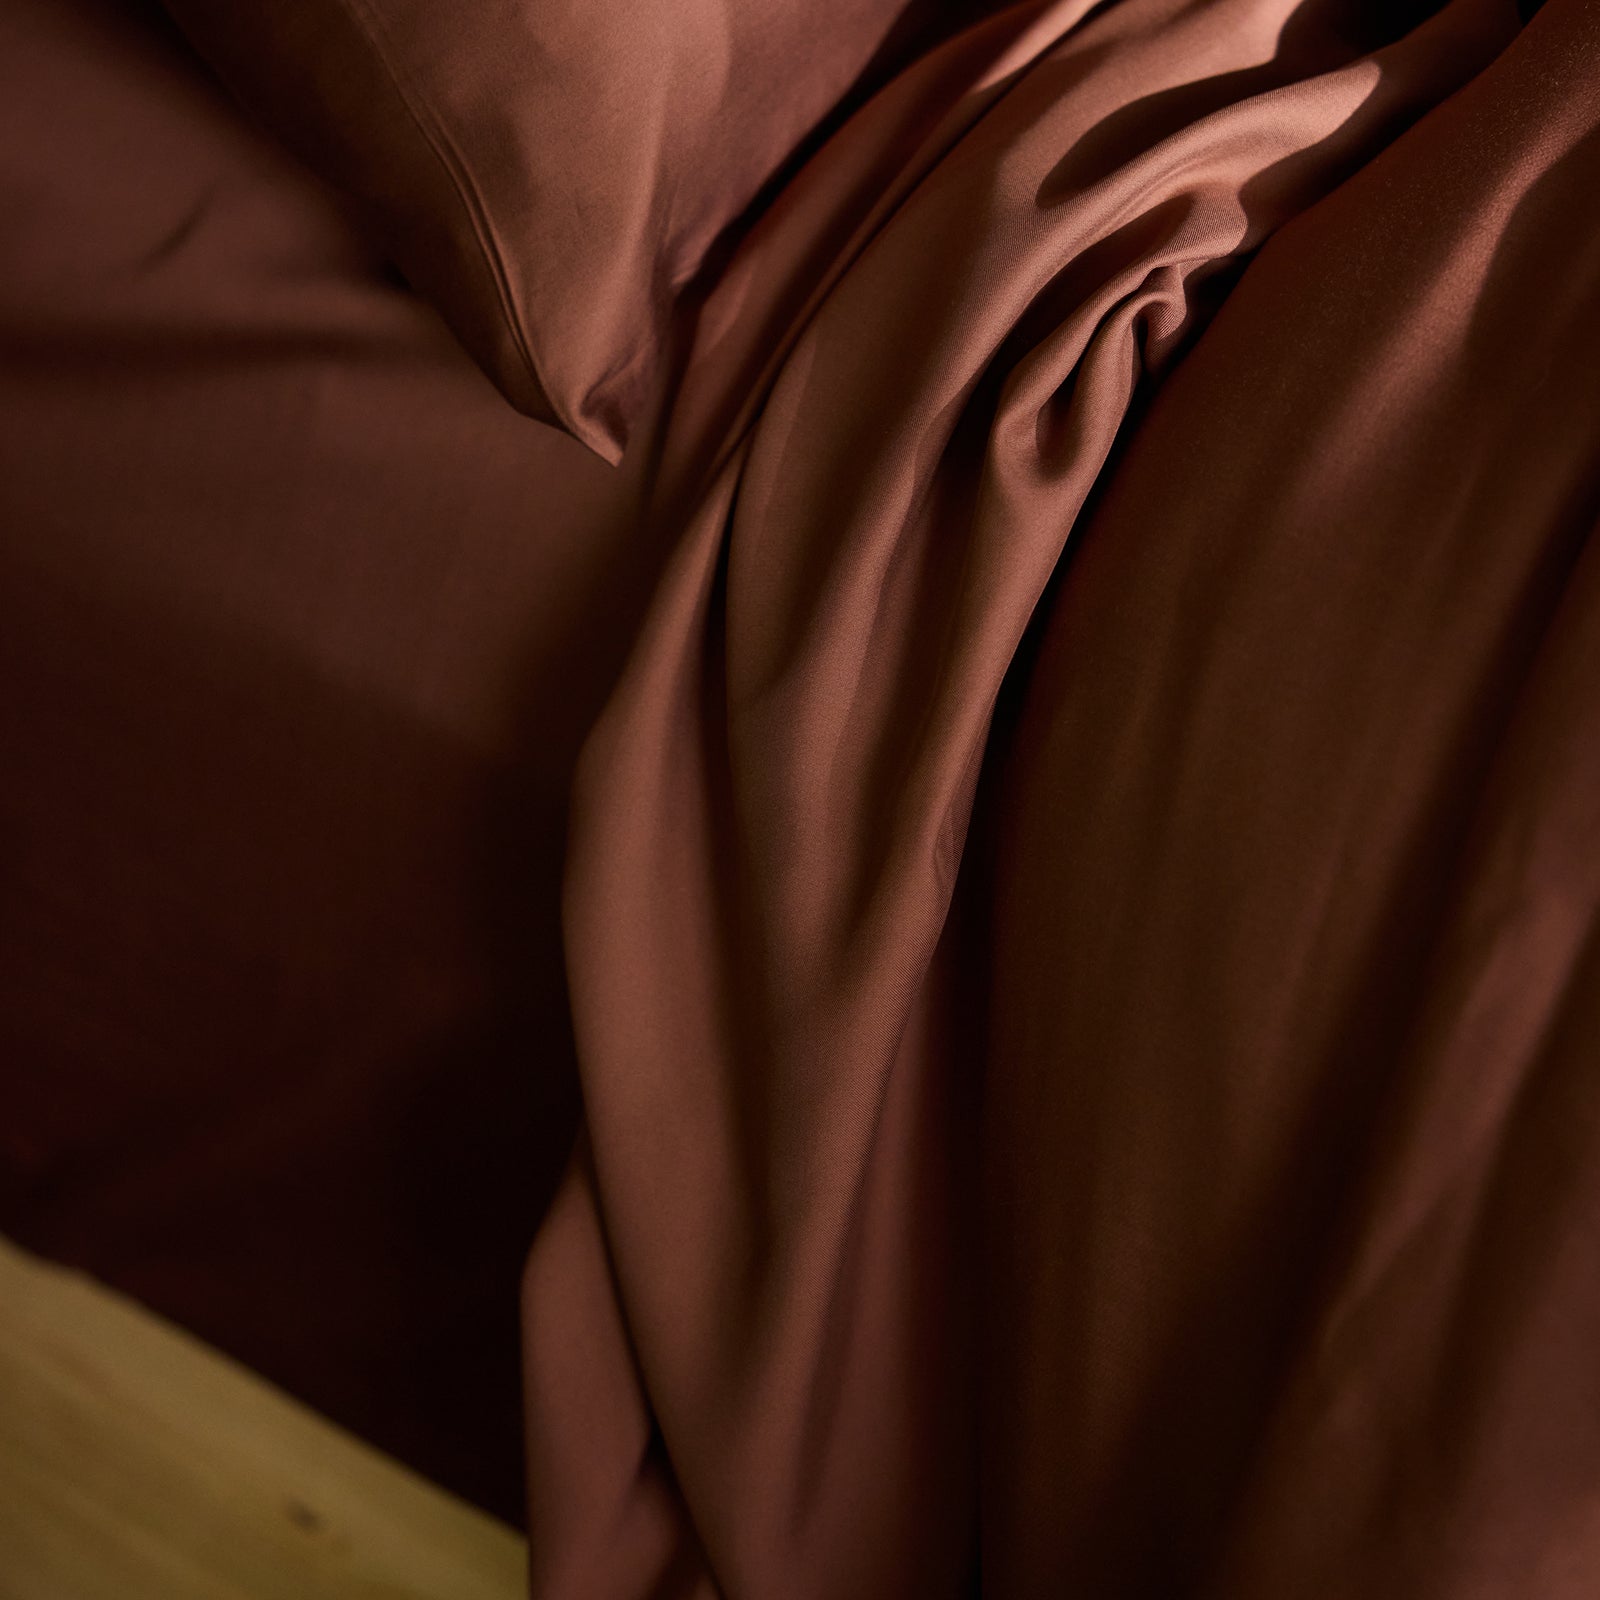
x: 138, y: 1464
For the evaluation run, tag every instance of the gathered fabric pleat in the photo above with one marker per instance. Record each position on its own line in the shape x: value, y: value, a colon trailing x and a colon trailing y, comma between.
x: 867, y: 1184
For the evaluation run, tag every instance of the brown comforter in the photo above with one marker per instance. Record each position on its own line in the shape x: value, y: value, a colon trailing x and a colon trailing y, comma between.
x: 1079, y: 910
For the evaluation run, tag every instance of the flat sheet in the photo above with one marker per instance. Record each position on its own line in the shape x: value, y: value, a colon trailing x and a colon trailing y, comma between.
x: 300, y: 627
x: 1292, y: 1139
x: 1188, y: 1188
x: 1078, y: 912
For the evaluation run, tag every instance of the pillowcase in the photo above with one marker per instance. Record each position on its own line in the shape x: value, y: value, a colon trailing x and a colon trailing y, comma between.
x: 550, y: 173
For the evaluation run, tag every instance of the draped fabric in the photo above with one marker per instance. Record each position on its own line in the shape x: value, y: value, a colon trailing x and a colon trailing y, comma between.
x: 1158, y: 1168
x: 1048, y: 1044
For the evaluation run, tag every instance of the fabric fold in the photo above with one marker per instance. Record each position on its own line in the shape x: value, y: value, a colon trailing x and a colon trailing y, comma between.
x: 770, y: 819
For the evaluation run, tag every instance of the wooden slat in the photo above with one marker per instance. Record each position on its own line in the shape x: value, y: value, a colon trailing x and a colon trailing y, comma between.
x: 138, y: 1464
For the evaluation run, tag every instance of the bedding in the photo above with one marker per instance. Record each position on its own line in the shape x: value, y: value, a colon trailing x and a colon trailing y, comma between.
x: 301, y: 626
x: 553, y: 173
x: 1065, y: 1062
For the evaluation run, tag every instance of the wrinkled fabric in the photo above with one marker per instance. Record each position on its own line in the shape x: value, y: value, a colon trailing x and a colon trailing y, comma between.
x: 1291, y: 1102
x: 1067, y: 1064
x: 552, y: 173
x: 768, y: 1352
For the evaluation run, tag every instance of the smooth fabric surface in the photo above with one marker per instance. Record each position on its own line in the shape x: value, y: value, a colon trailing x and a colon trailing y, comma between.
x: 1078, y: 904
x: 551, y: 172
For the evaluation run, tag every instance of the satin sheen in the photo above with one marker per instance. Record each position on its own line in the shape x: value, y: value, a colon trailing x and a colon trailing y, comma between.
x: 1046, y: 1045
x: 1257, y: 1014
x: 553, y: 173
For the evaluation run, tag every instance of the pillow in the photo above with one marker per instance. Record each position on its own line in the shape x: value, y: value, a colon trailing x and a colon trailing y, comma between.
x: 549, y: 173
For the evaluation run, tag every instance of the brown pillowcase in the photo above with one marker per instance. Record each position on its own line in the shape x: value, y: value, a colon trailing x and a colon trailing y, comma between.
x: 548, y: 172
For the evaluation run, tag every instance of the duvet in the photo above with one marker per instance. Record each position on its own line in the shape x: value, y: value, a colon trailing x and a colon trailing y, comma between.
x: 999, y: 918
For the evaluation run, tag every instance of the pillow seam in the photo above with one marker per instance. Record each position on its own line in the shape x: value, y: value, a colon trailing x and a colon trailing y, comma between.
x: 444, y: 149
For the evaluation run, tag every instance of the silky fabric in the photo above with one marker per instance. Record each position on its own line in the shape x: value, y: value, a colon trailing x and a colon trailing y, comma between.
x: 553, y: 173
x: 1292, y: 1111
x: 300, y: 629
x: 766, y: 1355
x: 1078, y: 909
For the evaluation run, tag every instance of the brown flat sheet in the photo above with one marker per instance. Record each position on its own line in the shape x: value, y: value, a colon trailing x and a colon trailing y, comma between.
x: 1078, y: 910
x: 1293, y: 1095
x: 300, y: 626
x: 1207, y: 1206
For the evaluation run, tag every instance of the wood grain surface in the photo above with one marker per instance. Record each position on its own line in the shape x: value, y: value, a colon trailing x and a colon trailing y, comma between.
x: 138, y: 1464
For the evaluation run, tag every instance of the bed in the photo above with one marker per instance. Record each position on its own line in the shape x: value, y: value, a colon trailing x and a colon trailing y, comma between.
x: 899, y: 901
